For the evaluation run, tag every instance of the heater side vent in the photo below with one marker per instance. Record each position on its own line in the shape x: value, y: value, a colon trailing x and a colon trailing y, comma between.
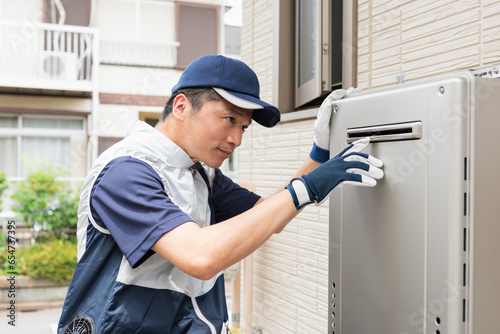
x: 333, y: 315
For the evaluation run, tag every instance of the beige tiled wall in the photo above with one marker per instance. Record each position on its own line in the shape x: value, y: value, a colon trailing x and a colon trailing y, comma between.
x: 416, y: 38
x: 424, y: 38
x: 290, y: 269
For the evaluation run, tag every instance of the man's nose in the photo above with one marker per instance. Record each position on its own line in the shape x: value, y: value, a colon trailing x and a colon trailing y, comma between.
x: 235, y: 137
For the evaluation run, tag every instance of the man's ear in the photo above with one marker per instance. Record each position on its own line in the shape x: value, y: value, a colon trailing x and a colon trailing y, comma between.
x: 181, y: 108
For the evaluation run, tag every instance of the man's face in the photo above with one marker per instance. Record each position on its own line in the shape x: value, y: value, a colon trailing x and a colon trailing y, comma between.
x: 215, y: 131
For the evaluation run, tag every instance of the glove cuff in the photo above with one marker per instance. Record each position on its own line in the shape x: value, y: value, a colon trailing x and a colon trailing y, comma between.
x: 319, y: 154
x: 299, y: 192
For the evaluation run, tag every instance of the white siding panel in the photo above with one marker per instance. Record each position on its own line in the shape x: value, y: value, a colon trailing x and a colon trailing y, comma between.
x: 435, y: 37
x: 386, y: 75
x: 386, y: 57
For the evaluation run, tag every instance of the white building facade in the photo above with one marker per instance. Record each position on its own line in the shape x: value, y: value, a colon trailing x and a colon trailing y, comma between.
x: 76, y: 74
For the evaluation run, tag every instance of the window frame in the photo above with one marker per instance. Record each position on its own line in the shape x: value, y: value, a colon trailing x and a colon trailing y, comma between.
x: 308, y: 90
x: 20, y: 132
x: 284, y: 51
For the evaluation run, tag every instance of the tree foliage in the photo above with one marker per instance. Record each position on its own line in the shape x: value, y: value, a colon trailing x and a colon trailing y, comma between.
x: 3, y: 186
x: 46, y: 204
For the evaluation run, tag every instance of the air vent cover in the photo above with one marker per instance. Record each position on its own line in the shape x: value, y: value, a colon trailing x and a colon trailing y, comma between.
x: 82, y: 324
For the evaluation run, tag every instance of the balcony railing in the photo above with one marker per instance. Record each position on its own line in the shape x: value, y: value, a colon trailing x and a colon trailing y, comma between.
x: 47, y: 56
x: 138, y: 53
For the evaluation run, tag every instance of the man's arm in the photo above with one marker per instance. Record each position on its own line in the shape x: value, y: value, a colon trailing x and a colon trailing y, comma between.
x: 207, y: 251
x: 203, y: 252
x: 307, y: 166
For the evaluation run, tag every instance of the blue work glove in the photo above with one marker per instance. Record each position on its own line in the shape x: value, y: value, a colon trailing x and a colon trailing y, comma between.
x: 321, y: 148
x: 350, y: 166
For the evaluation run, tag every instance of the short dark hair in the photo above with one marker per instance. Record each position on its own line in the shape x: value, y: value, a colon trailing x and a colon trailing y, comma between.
x: 197, y: 96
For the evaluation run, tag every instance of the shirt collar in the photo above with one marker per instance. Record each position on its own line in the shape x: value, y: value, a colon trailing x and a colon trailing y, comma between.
x: 161, y: 144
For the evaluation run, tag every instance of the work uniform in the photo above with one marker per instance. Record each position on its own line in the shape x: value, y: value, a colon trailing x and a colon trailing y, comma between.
x: 137, y: 190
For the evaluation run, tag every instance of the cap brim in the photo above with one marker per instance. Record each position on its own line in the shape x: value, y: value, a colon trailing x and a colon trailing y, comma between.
x: 237, y: 101
x: 264, y: 113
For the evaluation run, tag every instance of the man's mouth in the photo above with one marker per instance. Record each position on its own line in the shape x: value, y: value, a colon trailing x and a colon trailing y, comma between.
x: 226, y: 153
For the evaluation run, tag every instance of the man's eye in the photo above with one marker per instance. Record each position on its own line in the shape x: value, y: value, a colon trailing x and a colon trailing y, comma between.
x: 230, y: 119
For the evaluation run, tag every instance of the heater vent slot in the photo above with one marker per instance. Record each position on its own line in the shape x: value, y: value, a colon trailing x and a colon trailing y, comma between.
x: 386, y: 132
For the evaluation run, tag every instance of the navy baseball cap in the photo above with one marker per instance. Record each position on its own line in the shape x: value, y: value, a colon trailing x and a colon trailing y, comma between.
x: 234, y: 81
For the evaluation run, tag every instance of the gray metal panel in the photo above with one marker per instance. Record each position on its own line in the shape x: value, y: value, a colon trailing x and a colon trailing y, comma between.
x: 396, y: 251
x: 484, y: 242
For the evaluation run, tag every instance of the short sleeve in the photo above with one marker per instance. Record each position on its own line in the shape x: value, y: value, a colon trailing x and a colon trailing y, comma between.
x: 128, y: 199
x: 229, y: 198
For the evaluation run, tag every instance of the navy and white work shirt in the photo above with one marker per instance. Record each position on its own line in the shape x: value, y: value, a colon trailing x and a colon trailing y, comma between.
x: 138, y: 190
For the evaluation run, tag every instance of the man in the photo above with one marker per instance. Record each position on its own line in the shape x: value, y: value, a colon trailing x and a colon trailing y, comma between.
x: 158, y: 221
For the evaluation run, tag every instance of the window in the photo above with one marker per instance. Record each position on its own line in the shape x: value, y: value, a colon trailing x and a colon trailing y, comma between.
x: 106, y: 142
x: 322, y: 51
x: 77, y: 12
x: 197, y: 32
x: 28, y: 140
x: 232, y: 45
x: 318, y: 49
x: 232, y: 19
x: 150, y: 117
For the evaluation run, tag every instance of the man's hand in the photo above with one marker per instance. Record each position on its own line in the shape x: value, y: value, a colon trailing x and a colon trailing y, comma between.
x: 321, y: 148
x: 350, y: 166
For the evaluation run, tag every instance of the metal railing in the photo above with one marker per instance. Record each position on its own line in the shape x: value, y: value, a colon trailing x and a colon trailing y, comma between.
x: 138, y: 53
x: 30, y: 50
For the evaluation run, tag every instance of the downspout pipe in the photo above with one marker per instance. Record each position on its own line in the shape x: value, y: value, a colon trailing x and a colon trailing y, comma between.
x: 247, y: 295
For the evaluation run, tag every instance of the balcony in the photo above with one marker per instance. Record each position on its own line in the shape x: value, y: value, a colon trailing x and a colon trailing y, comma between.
x: 133, y: 52
x: 48, y: 58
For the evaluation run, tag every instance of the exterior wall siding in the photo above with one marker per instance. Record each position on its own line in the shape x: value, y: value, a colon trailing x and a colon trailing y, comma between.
x: 290, y: 269
x: 424, y: 38
x: 416, y: 38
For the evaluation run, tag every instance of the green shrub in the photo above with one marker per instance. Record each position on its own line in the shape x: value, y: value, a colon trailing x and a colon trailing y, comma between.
x: 3, y: 254
x: 46, y: 203
x: 55, y: 261
x: 35, y: 194
x: 3, y: 186
x: 64, y: 214
x: 11, y: 260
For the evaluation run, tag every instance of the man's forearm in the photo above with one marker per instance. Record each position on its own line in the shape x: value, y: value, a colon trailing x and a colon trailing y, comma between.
x: 203, y: 252
x: 307, y: 166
